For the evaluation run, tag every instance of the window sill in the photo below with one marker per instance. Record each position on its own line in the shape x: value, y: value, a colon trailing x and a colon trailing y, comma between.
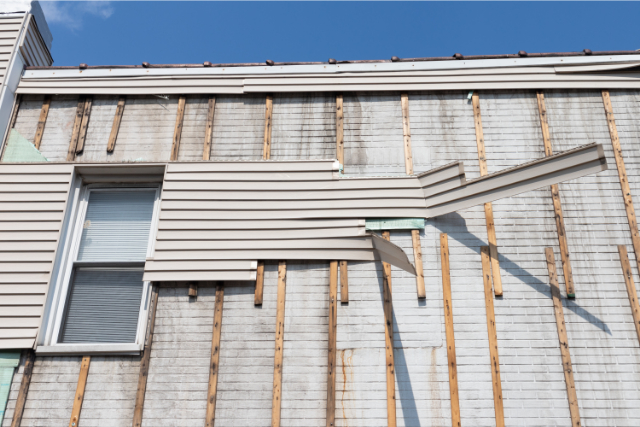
x: 89, y: 349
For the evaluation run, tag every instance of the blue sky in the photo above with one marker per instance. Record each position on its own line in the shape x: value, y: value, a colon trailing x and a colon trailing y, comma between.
x: 100, y: 33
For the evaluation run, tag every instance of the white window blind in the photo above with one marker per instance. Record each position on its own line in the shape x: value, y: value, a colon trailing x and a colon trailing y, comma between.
x: 116, y: 226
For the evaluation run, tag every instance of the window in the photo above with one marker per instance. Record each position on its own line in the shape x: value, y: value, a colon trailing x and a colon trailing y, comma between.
x: 102, y: 298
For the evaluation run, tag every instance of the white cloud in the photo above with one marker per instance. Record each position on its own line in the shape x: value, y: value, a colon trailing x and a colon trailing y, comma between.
x: 71, y: 14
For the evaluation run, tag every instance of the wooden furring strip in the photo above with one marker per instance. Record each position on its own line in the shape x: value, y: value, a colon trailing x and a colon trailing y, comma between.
x: 340, y: 129
x: 44, y: 112
x: 193, y: 289
x: 268, y: 113
x: 344, y: 282
x: 493, y: 337
x: 14, y: 114
x: 71, y: 152
x: 331, y: 363
x: 177, y: 130
x: 214, y: 366
x: 30, y: 358
x: 631, y: 288
x: 113, y: 136
x: 408, y: 166
x: 488, y: 207
x: 84, y: 125
x: 388, y: 340
x: 622, y: 175
x: 146, y: 358
x: 208, y: 135
x: 77, y: 401
x: 557, y: 205
x: 257, y: 299
x: 564, y: 340
x: 276, y: 403
x: 448, y: 323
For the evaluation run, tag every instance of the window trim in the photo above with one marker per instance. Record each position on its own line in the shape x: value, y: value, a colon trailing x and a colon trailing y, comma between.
x: 72, y: 230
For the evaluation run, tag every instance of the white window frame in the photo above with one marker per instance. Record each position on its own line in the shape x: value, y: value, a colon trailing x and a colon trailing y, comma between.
x: 50, y: 343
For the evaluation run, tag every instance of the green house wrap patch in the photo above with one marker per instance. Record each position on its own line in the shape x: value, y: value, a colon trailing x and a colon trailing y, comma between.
x: 9, y: 361
x: 394, y: 224
x: 20, y: 150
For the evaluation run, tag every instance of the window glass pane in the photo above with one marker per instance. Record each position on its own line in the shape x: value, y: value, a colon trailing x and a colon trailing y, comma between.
x: 116, y: 226
x: 103, y: 306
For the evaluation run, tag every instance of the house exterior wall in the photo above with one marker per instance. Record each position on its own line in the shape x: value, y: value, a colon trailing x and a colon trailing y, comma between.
x: 604, y: 346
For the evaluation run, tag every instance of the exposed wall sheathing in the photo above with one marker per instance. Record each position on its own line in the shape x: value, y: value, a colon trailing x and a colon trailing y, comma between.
x: 245, y: 378
x: 28, y: 115
x: 103, y: 110
x: 604, y: 347
x: 179, y: 368
x: 193, y: 128
x: 304, y: 127
x: 58, y: 127
x: 238, y: 127
x: 51, y: 393
x: 530, y: 362
x: 373, y: 137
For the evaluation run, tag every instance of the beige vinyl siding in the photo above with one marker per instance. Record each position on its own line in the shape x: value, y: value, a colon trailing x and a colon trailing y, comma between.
x: 32, y: 204
x: 33, y: 48
x: 9, y: 33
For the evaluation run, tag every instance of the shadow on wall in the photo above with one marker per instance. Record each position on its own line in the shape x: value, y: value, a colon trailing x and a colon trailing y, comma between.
x: 455, y: 226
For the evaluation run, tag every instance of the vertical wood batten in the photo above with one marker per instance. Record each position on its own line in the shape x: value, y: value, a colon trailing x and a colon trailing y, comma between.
x: 622, y: 174
x: 30, y: 358
x: 12, y: 124
x: 344, y: 282
x: 333, y: 326
x: 488, y: 207
x: 268, y: 121
x: 113, y: 136
x: 214, y: 365
x: 71, y: 152
x: 79, y: 398
x: 448, y: 322
x: 276, y: 403
x: 177, y: 131
x: 493, y: 337
x: 388, y: 338
x: 44, y: 112
x: 146, y: 358
x: 344, y: 272
x: 408, y: 165
x: 563, y: 339
x: 557, y: 205
x: 631, y: 288
x: 84, y: 124
x: 208, y: 136
x: 257, y: 299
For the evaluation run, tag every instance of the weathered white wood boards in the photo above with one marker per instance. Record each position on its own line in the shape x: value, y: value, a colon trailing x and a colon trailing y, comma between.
x: 331, y: 353
x: 214, y: 365
x: 208, y: 136
x: 117, y: 118
x: 42, y: 121
x: 145, y: 360
x: 557, y: 205
x: 387, y: 302
x: 77, y: 401
x: 448, y: 323
x: 30, y: 358
x: 276, y: 403
x: 177, y: 131
x: 493, y: 337
x: 622, y: 174
x: 631, y: 288
x: 408, y: 164
x: 564, y: 340
x: 488, y: 208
